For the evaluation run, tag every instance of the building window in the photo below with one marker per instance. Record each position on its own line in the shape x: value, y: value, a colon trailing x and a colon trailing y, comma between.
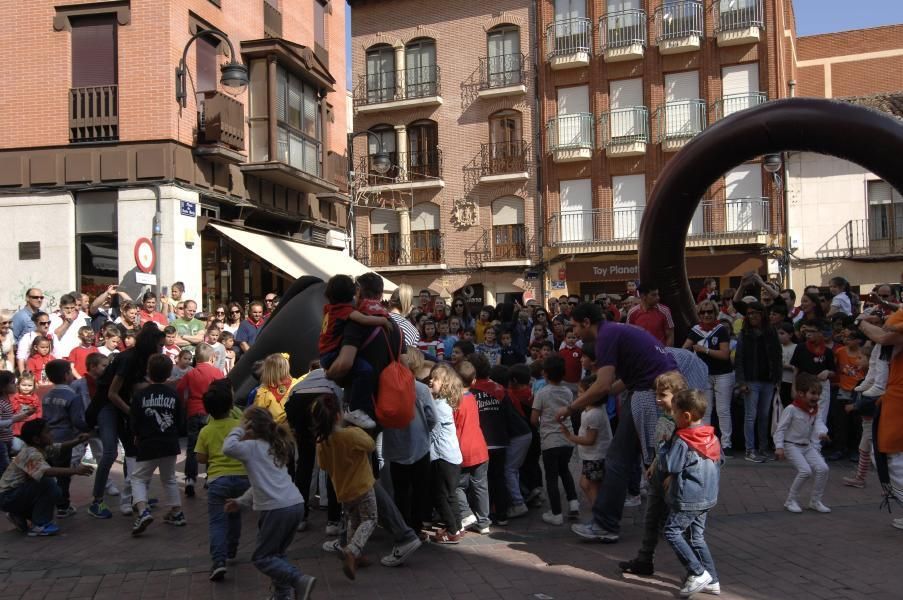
x: 505, y: 153
x: 629, y: 201
x: 386, y: 140
x: 94, y: 96
x: 426, y: 240
x: 96, y: 226
x: 299, y: 128
x: 421, y: 74
x: 380, y: 74
x: 423, y: 150
x: 385, y: 238
x: 505, y: 62
x: 576, y: 218
x: 885, y: 211
x: 319, y: 23
x: 205, y: 57
x: 509, y: 236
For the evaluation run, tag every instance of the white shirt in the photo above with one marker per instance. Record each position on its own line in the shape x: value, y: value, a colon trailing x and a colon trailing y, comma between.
x: 595, y: 418
x: 23, y: 350
x: 786, y: 355
x: 842, y: 303
x: 798, y: 427
x: 64, y: 345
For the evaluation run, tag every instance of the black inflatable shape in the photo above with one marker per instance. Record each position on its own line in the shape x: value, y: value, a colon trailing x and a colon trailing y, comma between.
x: 294, y: 327
x: 860, y: 135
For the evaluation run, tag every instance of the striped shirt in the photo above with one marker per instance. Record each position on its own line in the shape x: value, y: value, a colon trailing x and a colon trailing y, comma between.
x: 408, y: 330
x: 657, y: 320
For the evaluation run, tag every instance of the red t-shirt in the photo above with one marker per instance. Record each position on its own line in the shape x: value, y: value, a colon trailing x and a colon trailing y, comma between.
x: 79, y: 356
x: 194, y: 384
x: 156, y: 317
x: 572, y: 366
x: 334, y: 318
x: 373, y: 308
x: 490, y: 387
x: 18, y: 401
x: 470, y: 435
x: 522, y: 399
x: 36, y: 364
x: 656, y: 320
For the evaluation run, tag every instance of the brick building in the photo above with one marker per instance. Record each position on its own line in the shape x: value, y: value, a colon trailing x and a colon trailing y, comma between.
x: 624, y: 84
x: 447, y: 91
x: 858, y: 232
x: 98, y: 149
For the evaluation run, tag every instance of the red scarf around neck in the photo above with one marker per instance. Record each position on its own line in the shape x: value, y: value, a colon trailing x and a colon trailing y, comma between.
x: 804, y: 406
x: 816, y: 349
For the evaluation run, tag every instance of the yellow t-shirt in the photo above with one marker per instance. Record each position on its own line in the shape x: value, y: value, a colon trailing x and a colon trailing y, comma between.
x: 266, y: 399
x: 210, y: 442
x: 346, y: 457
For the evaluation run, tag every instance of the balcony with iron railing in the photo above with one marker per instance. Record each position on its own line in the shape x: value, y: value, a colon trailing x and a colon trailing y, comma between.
x: 732, y: 103
x: 623, y: 35
x: 679, y: 121
x: 569, y: 43
x: 399, y: 252
x: 94, y: 114
x: 400, y: 89
x: 571, y: 138
x: 502, y: 75
x: 504, y: 161
x: 417, y: 169
x: 625, y: 131
x: 731, y: 222
x: 738, y: 21
x: 679, y: 26
x: 510, y: 245
x: 877, y: 238
x: 221, y: 128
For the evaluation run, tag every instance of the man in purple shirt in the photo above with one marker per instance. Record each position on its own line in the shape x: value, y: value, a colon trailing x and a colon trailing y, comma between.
x: 627, y: 357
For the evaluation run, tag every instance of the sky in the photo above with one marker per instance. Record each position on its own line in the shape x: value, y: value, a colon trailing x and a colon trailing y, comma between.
x: 826, y: 16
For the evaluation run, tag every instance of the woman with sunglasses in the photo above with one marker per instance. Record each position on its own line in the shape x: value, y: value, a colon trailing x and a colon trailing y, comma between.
x: 711, y: 341
x: 233, y: 317
x: 460, y: 310
x: 540, y: 317
x: 7, y: 342
x: 42, y: 329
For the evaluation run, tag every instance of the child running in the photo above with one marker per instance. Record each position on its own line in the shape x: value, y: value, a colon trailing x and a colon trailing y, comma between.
x: 155, y: 412
x: 226, y: 476
x: 344, y: 453
x: 266, y: 448
x: 691, y: 463
x: 798, y: 439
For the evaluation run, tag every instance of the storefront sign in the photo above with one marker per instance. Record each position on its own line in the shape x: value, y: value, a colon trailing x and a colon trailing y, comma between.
x: 718, y: 265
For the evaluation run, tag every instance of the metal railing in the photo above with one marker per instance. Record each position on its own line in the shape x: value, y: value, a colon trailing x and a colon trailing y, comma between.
x: 681, y: 119
x: 731, y: 15
x: 881, y: 235
x: 417, y: 165
x: 402, y: 84
x: 571, y: 132
x: 623, y: 28
x: 221, y: 119
x: 509, y: 242
x: 396, y: 249
x: 676, y: 20
x: 502, y: 71
x: 732, y: 103
x: 500, y: 158
x: 94, y: 114
x: 625, y: 126
x: 711, y: 220
x: 569, y: 37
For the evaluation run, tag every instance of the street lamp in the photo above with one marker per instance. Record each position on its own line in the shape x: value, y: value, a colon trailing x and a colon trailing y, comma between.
x: 380, y: 162
x: 234, y: 74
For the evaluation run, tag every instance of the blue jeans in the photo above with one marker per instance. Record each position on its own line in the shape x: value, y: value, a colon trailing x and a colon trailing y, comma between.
x: 276, y: 530
x: 195, y: 424
x: 108, y: 432
x: 224, y: 528
x: 4, y: 456
x: 756, y: 404
x: 620, y: 465
x: 363, y: 382
x: 35, y: 500
x: 692, y: 551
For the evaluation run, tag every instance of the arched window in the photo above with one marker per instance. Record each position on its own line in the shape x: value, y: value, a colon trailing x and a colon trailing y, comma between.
x: 426, y: 241
x: 505, y: 63
x: 423, y: 150
x: 384, y: 138
x: 380, y: 78
x: 506, y: 144
x: 509, y: 236
x: 421, y: 72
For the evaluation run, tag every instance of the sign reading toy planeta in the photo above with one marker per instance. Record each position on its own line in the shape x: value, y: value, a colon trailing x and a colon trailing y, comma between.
x: 719, y: 265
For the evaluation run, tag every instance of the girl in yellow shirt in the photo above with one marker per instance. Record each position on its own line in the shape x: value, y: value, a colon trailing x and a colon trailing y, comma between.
x: 275, y: 383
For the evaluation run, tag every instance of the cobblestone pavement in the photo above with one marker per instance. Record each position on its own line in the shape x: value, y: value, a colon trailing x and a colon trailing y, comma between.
x: 760, y: 550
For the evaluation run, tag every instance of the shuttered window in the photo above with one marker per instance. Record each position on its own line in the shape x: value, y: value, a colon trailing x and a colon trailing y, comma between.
x: 206, y: 65
x: 425, y: 217
x: 508, y: 210
x: 383, y: 221
x: 93, y: 51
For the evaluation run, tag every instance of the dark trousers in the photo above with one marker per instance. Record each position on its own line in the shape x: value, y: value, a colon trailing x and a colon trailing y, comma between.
x: 195, y: 424
x: 843, y: 427
x: 555, y: 461
x: 307, y: 454
x: 224, y: 528
x: 276, y: 530
x: 656, y: 514
x: 411, y: 485
x: 620, y: 463
x: 530, y: 473
x: 445, y: 498
x: 63, y: 460
x: 499, y: 498
x: 35, y: 500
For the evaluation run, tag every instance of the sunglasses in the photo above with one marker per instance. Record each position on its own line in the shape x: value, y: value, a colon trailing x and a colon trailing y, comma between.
x: 270, y: 300
x: 234, y: 312
x: 707, y: 312
x: 573, y: 303
x: 459, y: 305
x: 220, y: 312
x: 5, y: 322
x: 43, y: 322
x: 36, y: 297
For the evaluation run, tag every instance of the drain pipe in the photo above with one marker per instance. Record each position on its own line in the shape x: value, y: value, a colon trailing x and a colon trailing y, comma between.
x: 157, y: 237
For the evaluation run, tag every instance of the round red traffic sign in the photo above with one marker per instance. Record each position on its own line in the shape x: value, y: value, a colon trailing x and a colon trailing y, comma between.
x: 145, y: 257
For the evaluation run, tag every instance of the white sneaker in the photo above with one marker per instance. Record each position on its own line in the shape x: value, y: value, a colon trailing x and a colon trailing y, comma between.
x: 111, y: 489
x: 332, y: 528
x: 818, y: 506
x: 552, y: 519
x: 898, y: 523
x: 793, y: 506
x: 126, y: 510
x: 695, y: 583
x: 360, y: 418
x: 518, y: 510
x: 468, y: 521
x: 632, y: 501
x: 712, y: 588
x: 574, y: 505
x: 876, y: 391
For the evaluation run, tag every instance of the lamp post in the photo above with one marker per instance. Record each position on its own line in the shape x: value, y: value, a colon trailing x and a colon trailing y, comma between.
x: 234, y: 74
x: 381, y: 163
x: 773, y: 163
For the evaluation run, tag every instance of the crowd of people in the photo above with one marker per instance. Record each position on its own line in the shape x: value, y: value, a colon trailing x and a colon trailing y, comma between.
x: 434, y: 417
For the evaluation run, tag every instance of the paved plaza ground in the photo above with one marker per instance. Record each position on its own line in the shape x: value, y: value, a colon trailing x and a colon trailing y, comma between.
x: 761, y: 552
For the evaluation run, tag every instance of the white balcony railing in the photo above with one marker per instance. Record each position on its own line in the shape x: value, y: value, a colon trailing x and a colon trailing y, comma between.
x: 571, y: 132
x: 675, y: 20
x: 732, y: 103
x: 734, y: 15
x: 569, y: 37
x: 622, y: 28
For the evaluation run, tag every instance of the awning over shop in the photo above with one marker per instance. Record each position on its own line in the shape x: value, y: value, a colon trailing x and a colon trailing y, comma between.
x: 296, y: 258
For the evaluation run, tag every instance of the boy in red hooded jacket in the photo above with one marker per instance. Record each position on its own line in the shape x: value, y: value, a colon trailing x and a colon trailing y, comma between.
x: 691, y: 462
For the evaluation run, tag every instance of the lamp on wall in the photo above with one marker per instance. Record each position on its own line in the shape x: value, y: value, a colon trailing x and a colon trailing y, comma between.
x: 234, y: 75
x: 380, y: 162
